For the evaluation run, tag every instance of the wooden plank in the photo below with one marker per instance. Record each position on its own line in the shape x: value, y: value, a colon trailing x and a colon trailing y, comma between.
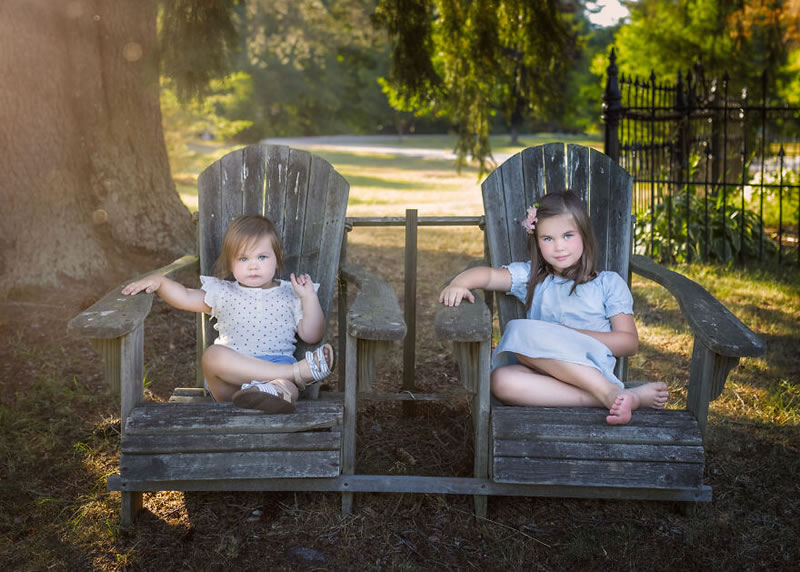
x: 578, y: 171
x: 600, y: 433
x: 205, y: 443
x: 254, y: 179
x: 232, y: 188
x: 598, y: 451
x: 211, y: 225
x: 236, y: 465
x: 555, y: 174
x: 294, y: 219
x: 514, y: 415
x: 497, y: 225
x: 415, y: 484
x: 277, y: 167
x: 599, y: 206
x: 597, y: 473
x: 159, y: 418
x: 533, y: 175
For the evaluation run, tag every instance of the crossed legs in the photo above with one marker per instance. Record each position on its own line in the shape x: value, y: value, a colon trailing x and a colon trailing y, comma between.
x: 553, y: 383
x: 226, y: 370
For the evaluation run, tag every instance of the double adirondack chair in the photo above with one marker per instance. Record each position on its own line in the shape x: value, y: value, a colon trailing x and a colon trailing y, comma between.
x: 572, y: 452
x: 193, y: 444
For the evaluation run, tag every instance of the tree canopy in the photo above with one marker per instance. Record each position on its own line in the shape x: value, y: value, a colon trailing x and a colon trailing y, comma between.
x: 465, y: 59
x: 741, y: 37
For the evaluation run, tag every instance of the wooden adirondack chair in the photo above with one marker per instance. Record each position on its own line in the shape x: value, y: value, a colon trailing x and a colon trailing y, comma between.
x: 215, y: 446
x: 572, y: 452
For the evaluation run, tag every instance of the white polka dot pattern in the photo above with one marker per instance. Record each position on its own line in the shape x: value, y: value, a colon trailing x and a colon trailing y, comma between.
x: 254, y: 321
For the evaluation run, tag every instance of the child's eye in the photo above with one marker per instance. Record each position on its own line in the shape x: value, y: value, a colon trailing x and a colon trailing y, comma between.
x: 262, y: 258
x: 242, y: 259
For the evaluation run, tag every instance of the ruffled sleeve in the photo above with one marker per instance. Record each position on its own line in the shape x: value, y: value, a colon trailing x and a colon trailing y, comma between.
x: 617, y: 297
x: 520, y: 274
x: 211, y: 286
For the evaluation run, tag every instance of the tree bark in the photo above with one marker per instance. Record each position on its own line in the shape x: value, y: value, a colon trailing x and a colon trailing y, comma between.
x: 85, y: 186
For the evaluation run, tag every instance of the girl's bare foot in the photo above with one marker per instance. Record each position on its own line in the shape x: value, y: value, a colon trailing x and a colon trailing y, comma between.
x: 622, y: 408
x: 654, y: 395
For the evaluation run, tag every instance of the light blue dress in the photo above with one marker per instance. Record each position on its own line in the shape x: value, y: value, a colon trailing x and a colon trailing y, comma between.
x: 542, y: 335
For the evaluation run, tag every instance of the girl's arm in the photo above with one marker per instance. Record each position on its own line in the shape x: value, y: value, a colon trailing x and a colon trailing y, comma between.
x: 622, y: 340
x: 482, y: 277
x: 173, y: 293
x: 311, y: 327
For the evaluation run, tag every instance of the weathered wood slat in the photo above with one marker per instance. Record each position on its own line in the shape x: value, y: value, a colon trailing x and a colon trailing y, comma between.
x: 161, y: 418
x: 597, y: 473
x: 599, y: 433
x: 236, y: 465
x: 294, y: 219
x: 231, y: 442
x: 554, y: 167
x: 598, y: 451
x: 578, y: 170
x: 254, y: 164
x: 511, y: 416
x: 415, y: 484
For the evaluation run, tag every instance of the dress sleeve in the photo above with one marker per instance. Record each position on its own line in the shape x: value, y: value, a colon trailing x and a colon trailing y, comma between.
x: 617, y: 295
x: 211, y: 286
x: 520, y: 274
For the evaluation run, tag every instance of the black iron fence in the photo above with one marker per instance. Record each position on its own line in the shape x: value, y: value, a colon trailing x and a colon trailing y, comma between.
x: 716, y: 173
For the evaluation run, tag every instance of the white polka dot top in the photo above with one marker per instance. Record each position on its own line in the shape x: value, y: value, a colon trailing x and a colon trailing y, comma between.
x: 254, y: 321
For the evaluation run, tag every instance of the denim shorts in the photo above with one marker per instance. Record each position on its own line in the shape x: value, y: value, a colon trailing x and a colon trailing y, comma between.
x: 273, y: 358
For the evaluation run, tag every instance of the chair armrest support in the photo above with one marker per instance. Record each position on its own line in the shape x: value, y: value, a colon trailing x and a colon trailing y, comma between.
x: 712, y: 323
x: 116, y: 315
x: 375, y: 313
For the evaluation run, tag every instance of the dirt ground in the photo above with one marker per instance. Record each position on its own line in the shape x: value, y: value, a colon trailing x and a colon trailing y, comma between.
x: 61, y: 440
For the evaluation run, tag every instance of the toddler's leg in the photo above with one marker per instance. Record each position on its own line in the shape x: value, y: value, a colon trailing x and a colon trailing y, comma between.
x: 226, y: 370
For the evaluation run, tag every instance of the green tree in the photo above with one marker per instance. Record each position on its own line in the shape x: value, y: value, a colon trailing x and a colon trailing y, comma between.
x: 314, y: 66
x: 464, y: 59
x: 742, y: 37
x: 84, y: 178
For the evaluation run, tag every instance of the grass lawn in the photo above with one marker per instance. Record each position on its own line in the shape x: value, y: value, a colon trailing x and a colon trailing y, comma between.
x: 61, y: 434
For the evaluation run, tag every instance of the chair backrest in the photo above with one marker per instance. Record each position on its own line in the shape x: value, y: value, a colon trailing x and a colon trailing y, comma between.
x: 525, y: 177
x: 301, y: 193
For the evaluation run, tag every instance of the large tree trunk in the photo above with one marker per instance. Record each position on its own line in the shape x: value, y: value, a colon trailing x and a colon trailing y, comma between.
x: 85, y: 183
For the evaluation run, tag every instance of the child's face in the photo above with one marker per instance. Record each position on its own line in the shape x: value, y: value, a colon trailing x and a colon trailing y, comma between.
x: 560, y: 242
x: 255, y: 265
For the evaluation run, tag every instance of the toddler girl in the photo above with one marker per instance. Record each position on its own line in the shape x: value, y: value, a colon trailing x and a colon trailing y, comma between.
x: 562, y: 355
x: 251, y: 362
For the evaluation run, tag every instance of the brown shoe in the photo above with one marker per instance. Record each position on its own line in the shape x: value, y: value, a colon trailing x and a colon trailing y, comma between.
x: 255, y: 398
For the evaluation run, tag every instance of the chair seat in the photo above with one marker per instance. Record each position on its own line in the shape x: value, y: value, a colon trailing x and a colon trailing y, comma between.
x: 658, y: 449
x: 209, y: 441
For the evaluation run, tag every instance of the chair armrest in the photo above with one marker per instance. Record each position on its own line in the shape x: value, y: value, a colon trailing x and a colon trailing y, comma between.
x: 711, y: 322
x: 375, y: 313
x: 116, y: 315
x: 466, y: 322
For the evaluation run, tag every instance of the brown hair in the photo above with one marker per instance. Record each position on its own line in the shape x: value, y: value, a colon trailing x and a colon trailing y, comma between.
x: 554, y: 204
x: 241, y: 233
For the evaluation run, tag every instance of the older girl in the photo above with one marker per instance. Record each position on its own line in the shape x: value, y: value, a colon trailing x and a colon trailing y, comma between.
x: 578, y: 320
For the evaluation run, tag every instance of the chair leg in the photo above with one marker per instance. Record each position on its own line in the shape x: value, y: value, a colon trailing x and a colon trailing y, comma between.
x: 131, y: 505
x: 481, y: 503
x: 347, y: 503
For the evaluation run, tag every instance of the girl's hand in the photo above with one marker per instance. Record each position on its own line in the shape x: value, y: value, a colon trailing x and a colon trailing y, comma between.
x: 302, y: 285
x: 149, y: 284
x: 452, y: 295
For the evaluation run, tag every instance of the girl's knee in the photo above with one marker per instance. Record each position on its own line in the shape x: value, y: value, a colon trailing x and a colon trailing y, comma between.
x: 212, y: 355
x: 501, y: 384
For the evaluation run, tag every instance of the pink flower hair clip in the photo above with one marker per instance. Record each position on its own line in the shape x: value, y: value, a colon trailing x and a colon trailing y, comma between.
x: 529, y: 222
